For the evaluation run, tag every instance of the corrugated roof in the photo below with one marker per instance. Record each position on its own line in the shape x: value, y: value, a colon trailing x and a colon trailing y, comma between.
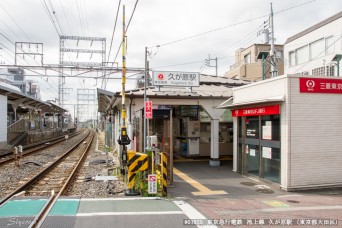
x: 209, y: 79
x: 203, y: 91
x: 210, y: 87
x: 314, y: 27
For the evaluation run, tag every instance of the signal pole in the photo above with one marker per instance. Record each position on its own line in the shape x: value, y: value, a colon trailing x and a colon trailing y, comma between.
x: 123, y: 139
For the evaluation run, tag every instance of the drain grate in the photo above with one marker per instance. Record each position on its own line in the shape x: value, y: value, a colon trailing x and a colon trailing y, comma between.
x: 266, y: 191
x: 292, y: 201
x: 248, y: 183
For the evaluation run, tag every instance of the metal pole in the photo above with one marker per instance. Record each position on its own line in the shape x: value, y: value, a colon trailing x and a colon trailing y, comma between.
x: 338, y: 68
x: 145, y: 80
x: 272, y: 53
x: 216, y: 66
x: 263, y: 67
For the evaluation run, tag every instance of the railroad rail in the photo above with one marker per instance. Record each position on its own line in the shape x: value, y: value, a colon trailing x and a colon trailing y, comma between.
x: 55, y: 178
x: 36, y: 147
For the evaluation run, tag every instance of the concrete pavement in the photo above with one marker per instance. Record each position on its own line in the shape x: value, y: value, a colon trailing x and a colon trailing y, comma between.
x: 251, y: 203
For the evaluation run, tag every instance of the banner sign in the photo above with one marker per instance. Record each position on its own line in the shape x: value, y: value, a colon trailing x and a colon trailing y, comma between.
x: 320, y: 85
x: 257, y: 111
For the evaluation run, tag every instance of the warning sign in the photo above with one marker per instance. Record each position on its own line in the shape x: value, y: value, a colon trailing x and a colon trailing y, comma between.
x: 152, y: 184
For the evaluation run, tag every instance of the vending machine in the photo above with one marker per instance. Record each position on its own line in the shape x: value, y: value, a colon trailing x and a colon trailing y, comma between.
x: 190, y: 132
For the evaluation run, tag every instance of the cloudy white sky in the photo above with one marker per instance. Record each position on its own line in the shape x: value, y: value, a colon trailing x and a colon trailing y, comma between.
x: 155, y: 22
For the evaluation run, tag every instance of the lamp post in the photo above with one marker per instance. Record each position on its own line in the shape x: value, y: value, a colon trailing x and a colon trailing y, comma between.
x: 337, y: 58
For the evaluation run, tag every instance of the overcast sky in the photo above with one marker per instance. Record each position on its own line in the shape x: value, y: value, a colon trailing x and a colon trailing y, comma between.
x: 155, y: 22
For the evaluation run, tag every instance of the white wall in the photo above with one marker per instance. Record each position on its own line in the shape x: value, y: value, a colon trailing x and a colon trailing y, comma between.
x: 3, y: 118
x: 332, y: 29
x: 315, y: 149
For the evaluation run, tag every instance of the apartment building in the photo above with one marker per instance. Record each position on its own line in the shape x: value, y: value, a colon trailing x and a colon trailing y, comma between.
x: 316, y: 50
x: 247, y: 66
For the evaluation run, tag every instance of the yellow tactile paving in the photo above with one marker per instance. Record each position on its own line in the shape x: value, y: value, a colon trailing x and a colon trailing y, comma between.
x: 202, y: 190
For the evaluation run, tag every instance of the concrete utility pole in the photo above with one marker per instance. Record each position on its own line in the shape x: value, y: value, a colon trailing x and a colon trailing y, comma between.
x: 273, y: 51
x: 207, y: 63
x: 145, y: 81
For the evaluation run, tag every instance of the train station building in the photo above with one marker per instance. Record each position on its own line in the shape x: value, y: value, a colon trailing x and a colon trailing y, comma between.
x: 184, y: 120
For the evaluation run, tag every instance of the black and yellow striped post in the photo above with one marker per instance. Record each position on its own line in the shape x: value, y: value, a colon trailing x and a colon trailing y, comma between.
x: 163, y: 172
x: 136, y: 162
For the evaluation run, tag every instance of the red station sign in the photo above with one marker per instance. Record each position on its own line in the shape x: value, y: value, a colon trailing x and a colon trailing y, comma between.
x: 320, y: 85
x: 257, y: 111
x: 148, y: 109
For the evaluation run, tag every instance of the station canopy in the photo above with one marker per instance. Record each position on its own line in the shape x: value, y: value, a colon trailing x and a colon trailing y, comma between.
x: 24, y: 102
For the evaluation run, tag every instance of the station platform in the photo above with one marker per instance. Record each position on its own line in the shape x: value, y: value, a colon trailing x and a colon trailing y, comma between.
x: 99, y: 212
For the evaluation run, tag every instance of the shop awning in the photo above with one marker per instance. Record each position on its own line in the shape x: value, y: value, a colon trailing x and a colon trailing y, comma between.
x: 229, y: 104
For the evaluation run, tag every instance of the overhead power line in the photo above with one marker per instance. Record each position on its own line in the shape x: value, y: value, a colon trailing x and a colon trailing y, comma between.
x: 231, y: 25
x: 111, y: 40
x: 129, y: 22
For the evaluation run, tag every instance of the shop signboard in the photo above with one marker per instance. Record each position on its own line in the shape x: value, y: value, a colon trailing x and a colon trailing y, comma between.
x: 175, y: 78
x: 320, y: 85
x: 257, y: 111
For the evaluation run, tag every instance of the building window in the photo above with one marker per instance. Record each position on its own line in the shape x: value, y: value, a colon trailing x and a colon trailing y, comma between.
x: 247, y: 58
x: 319, y: 71
x: 330, y: 71
x: 279, y: 54
x: 302, y: 55
x: 292, y: 58
x: 329, y: 45
x: 316, y: 48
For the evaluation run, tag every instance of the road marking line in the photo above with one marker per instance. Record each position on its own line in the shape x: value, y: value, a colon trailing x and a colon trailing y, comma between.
x: 289, y: 196
x: 130, y: 213
x: 202, y: 190
x: 267, y: 210
x: 191, y: 212
x: 110, y: 199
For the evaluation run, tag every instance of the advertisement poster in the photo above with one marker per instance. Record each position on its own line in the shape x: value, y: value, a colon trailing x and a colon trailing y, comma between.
x: 267, y: 130
x: 267, y: 152
x: 252, y: 152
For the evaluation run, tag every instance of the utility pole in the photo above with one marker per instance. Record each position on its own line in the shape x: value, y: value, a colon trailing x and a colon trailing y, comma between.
x: 124, y: 139
x: 207, y: 63
x: 273, y: 51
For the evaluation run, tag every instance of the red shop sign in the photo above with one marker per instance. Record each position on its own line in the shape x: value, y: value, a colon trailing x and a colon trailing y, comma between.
x: 320, y: 85
x: 257, y: 111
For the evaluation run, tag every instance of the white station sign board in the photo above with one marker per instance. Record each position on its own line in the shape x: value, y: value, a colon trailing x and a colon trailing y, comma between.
x: 175, y: 78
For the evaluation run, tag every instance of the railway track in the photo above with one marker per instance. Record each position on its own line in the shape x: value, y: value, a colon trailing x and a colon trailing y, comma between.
x: 36, y: 147
x: 54, y: 180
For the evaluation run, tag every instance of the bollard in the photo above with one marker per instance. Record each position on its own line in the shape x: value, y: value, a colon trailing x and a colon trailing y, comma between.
x: 20, y: 150
x: 163, y: 172
x: 15, y: 152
